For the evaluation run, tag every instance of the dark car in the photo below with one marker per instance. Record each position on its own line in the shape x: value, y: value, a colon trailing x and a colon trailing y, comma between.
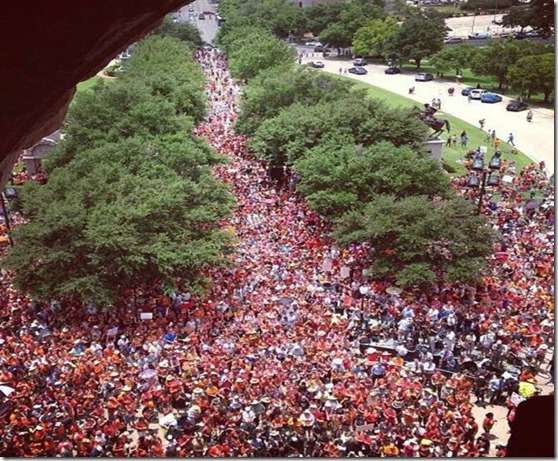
x: 358, y: 70
x: 201, y: 16
x: 322, y: 49
x: 392, y: 70
x: 316, y: 64
x: 517, y: 106
x: 467, y: 91
x: 359, y: 62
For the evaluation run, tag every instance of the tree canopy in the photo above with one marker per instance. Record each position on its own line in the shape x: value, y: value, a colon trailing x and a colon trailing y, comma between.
x: 538, y: 14
x: 276, y: 88
x: 418, y: 240
x: 453, y: 58
x: 280, y: 17
x: 370, y: 39
x: 533, y: 74
x: 249, y: 57
x: 287, y: 137
x: 130, y: 200
x: 337, y: 179
x: 421, y: 35
x: 499, y: 56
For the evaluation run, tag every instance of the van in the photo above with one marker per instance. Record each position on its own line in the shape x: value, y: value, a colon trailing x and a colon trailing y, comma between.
x: 479, y: 35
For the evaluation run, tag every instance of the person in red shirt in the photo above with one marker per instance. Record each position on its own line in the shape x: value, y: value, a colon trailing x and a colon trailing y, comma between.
x: 488, y: 423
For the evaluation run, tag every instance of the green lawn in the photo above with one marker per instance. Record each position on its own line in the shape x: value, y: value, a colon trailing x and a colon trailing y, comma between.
x: 87, y: 84
x: 452, y: 155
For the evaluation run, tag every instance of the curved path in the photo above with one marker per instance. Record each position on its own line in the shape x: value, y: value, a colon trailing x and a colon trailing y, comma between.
x: 535, y: 139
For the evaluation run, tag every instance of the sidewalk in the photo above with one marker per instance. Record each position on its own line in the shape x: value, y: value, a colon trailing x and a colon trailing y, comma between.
x: 535, y: 139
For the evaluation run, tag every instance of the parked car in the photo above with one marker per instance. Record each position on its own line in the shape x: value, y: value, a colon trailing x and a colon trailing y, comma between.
x: 313, y: 43
x: 517, y: 106
x: 453, y: 40
x: 466, y: 91
x: 490, y: 97
x: 317, y: 64
x: 423, y: 77
x: 359, y: 62
x: 392, y: 70
x: 477, y: 93
x: 201, y: 16
x: 358, y: 70
x: 497, y: 22
x: 479, y: 35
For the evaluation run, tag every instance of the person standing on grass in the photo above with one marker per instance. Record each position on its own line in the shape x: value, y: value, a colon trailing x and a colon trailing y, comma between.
x: 497, y: 143
x: 488, y: 135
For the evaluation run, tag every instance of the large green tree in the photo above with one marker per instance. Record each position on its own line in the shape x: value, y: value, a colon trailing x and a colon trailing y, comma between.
x: 421, y: 35
x: 453, y: 58
x: 497, y: 58
x: 538, y: 14
x: 418, y: 240
x: 321, y: 15
x: 97, y: 232
x: 370, y: 39
x: 533, y: 74
x: 130, y: 198
x: 278, y: 87
x: 280, y: 17
x: 337, y: 179
x: 297, y: 128
x: 340, y: 34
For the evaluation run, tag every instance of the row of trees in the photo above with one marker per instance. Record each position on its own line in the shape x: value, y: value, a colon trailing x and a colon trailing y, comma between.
x: 361, y: 164
x: 130, y: 200
x: 392, y: 30
x: 523, y: 65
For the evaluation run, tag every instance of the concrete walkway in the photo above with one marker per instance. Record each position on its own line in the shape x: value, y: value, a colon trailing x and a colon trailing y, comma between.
x: 535, y: 139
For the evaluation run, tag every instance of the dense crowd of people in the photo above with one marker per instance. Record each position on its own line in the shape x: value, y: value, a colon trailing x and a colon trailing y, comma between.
x: 293, y: 350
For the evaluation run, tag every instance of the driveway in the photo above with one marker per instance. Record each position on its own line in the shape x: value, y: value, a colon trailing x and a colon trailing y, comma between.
x: 535, y: 139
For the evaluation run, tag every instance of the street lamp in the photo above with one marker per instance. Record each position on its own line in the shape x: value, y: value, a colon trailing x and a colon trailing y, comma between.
x: 10, y: 193
x: 487, y: 178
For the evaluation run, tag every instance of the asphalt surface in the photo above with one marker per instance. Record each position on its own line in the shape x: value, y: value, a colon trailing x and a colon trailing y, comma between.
x: 208, y: 26
x: 535, y: 139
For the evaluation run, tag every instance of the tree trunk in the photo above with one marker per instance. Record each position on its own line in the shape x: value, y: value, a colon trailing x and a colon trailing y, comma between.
x: 546, y: 95
x: 417, y: 62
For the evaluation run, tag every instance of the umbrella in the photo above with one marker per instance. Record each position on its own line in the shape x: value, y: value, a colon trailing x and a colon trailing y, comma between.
x: 6, y: 390
x: 393, y: 290
x: 148, y: 374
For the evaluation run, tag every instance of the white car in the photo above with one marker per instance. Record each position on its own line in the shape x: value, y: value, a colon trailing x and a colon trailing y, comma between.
x: 476, y: 94
x: 313, y: 44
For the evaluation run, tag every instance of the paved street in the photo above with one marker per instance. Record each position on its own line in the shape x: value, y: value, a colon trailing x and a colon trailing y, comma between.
x: 535, y: 139
x: 208, y: 26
